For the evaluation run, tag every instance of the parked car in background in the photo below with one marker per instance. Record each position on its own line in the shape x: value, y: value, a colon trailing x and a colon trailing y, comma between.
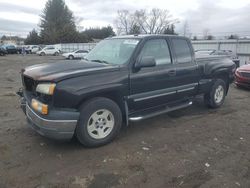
x: 128, y: 78
x: 78, y: 54
x: 50, y: 50
x: 11, y: 49
x: 242, y: 76
x: 2, y: 51
x: 33, y: 49
x: 20, y: 49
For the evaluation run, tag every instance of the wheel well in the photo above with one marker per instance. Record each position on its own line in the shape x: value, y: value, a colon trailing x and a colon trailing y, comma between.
x: 114, y: 96
x: 224, y: 76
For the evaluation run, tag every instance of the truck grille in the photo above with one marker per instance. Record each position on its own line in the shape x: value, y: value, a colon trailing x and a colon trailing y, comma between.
x: 245, y: 74
x: 29, y: 84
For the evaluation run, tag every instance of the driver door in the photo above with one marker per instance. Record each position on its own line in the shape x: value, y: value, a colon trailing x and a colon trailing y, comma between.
x: 153, y: 86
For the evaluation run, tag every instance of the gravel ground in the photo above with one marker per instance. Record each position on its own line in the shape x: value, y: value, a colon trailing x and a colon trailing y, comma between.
x: 193, y: 147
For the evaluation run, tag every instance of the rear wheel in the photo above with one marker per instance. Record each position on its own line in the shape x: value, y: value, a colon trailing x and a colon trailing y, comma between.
x: 215, y: 98
x: 56, y: 54
x: 42, y: 54
x: 99, y: 123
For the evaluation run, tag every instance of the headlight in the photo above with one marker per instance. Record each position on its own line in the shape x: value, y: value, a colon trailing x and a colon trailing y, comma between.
x: 46, y: 88
x: 40, y: 107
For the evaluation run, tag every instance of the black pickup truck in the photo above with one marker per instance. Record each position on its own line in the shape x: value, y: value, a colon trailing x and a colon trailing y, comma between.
x: 122, y: 79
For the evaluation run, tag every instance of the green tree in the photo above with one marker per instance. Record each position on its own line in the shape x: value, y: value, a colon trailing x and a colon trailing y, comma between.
x: 99, y: 33
x: 57, y: 23
x: 33, y: 38
x: 82, y: 37
x: 233, y: 37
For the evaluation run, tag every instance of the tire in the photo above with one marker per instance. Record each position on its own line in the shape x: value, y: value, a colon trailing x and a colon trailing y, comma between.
x: 42, y: 54
x: 71, y: 57
x: 216, y: 97
x: 94, y: 127
x: 56, y: 54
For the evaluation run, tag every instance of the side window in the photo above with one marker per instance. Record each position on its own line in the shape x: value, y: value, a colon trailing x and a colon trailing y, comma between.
x: 158, y: 48
x: 81, y: 51
x: 182, y: 51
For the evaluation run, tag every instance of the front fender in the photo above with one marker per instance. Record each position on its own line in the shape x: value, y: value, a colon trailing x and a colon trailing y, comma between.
x: 71, y: 92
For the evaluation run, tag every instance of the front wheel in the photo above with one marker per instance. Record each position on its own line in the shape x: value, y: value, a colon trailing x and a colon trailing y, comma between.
x: 71, y: 57
x: 215, y: 98
x: 100, y: 122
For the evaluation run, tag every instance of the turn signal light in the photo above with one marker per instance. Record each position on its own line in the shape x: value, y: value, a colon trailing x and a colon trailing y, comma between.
x: 40, y: 107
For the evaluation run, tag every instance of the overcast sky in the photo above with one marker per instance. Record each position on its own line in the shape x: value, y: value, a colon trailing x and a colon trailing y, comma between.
x: 221, y: 17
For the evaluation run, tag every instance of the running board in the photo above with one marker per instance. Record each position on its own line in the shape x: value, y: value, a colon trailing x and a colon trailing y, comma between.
x: 166, y: 109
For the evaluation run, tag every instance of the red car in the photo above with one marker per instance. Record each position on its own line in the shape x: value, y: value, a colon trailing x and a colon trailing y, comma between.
x: 242, y: 76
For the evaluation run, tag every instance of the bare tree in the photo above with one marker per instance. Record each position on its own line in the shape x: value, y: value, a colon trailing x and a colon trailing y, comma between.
x: 124, y: 22
x: 154, y: 21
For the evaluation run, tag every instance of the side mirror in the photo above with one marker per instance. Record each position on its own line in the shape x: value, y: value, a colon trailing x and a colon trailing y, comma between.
x: 148, y: 61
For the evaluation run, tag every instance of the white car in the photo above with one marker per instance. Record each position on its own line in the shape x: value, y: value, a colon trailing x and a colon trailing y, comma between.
x: 34, y: 48
x: 50, y: 50
x: 78, y: 54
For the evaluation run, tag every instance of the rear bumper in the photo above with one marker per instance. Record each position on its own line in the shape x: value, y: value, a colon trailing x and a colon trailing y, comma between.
x: 58, y: 124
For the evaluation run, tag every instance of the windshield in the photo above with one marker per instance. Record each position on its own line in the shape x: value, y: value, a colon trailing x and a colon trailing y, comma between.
x: 113, y: 51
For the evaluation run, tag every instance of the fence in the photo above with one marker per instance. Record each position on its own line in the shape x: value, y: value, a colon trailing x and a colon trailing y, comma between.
x: 240, y: 47
x: 70, y: 47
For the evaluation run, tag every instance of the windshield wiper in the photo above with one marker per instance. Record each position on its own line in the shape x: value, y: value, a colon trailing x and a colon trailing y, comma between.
x: 100, y: 61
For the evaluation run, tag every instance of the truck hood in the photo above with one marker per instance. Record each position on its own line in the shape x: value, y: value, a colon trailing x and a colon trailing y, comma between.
x: 65, y: 69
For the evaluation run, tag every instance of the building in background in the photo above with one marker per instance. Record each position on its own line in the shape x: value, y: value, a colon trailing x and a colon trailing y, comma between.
x: 15, y: 40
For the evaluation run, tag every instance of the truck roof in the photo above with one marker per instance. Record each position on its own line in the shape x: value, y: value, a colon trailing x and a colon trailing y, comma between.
x: 141, y: 36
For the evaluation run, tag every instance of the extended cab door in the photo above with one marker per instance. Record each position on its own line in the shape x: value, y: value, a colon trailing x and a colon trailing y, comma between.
x: 175, y: 76
x: 153, y: 86
x: 187, y: 72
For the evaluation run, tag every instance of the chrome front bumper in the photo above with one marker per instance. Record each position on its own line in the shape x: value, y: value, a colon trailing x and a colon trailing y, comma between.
x: 58, y: 125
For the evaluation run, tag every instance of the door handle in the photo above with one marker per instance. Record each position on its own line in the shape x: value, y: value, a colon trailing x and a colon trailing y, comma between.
x: 172, y: 72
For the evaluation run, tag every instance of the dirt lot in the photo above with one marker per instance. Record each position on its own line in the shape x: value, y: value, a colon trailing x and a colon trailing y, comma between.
x: 193, y: 147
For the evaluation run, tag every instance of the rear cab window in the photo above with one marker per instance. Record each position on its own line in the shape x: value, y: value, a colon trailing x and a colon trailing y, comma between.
x: 182, y: 50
